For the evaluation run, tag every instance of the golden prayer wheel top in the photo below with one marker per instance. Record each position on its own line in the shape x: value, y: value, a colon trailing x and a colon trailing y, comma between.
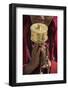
x: 39, y: 32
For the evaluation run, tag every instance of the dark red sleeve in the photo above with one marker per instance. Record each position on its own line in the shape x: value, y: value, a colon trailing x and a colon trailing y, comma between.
x: 26, y: 39
x: 53, y: 67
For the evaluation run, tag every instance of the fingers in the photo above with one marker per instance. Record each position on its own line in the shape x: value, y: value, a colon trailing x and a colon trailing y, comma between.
x: 36, y: 55
x: 34, y: 45
x: 36, y: 50
x: 43, y: 50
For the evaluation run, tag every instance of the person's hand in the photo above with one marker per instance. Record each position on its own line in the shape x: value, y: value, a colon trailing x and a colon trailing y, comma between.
x: 35, y: 55
x: 36, y: 51
x: 35, y: 59
x: 43, y: 52
x: 34, y: 62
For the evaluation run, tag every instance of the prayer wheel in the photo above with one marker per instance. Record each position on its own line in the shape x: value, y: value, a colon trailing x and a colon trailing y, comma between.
x: 39, y: 36
x: 39, y: 33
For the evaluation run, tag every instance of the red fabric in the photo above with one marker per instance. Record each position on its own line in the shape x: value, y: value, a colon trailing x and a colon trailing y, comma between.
x: 26, y: 43
x: 53, y: 67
